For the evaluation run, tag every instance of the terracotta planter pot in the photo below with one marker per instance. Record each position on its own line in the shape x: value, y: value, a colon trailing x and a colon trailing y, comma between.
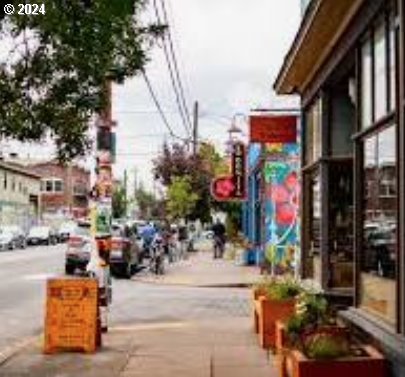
x: 268, y: 313
x: 296, y: 364
x: 281, y: 337
x: 257, y: 293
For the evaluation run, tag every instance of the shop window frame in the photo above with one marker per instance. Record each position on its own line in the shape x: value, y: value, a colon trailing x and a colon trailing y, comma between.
x: 390, y: 119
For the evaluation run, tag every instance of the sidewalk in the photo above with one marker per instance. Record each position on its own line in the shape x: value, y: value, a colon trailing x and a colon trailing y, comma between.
x: 201, y: 270
x: 225, y: 348
x: 207, y: 347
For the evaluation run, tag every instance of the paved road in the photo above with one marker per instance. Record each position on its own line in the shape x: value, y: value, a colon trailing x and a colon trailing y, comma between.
x: 23, y: 274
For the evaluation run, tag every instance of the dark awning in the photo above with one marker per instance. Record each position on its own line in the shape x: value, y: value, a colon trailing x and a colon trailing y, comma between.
x: 322, y: 26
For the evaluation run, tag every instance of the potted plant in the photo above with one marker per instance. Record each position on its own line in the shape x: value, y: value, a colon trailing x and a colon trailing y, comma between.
x: 314, y: 345
x: 275, y: 301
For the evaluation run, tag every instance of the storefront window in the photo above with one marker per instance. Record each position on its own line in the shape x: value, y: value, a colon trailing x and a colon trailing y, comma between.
x: 380, y: 71
x: 392, y: 40
x: 313, y: 265
x: 379, y: 251
x: 341, y: 224
x: 366, y: 92
x: 313, y: 132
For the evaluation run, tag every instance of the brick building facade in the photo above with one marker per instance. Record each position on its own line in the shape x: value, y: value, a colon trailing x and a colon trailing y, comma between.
x: 64, y: 188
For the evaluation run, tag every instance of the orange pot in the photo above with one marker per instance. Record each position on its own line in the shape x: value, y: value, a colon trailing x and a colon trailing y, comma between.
x: 268, y: 313
x: 257, y: 293
x: 296, y: 364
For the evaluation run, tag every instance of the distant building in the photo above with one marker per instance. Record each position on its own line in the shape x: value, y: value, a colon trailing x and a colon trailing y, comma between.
x: 19, y: 195
x: 64, y: 188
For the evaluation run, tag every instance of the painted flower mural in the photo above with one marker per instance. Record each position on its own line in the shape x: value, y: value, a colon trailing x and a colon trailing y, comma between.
x: 282, y: 201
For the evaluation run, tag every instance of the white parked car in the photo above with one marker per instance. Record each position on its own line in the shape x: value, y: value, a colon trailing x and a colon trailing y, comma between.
x: 6, y: 240
x: 41, y: 235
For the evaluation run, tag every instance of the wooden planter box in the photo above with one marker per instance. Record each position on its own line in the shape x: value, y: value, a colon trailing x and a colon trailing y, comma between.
x: 296, y: 364
x: 268, y: 313
x: 256, y: 294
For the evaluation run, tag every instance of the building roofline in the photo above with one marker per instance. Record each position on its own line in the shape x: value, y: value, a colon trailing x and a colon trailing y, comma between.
x: 16, y: 168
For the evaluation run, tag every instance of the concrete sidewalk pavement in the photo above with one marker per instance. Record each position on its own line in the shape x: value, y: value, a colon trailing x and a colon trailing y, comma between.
x: 201, y: 270
x: 225, y: 348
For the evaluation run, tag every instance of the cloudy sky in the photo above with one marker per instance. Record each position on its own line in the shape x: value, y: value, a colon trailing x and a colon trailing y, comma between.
x: 229, y: 53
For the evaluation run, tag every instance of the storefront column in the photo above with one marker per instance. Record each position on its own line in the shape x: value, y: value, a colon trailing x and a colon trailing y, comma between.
x: 324, y: 175
x: 401, y: 193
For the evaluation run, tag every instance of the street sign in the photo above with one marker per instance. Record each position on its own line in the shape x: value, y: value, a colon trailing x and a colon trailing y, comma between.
x: 233, y: 187
x: 273, y: 129
x: 71, y: 322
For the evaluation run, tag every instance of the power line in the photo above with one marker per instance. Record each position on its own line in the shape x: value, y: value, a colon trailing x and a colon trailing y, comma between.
x: 157, y: 104
x: 176, y: 81
x: 172, y: 77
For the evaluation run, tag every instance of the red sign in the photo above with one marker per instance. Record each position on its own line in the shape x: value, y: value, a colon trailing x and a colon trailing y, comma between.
x: 273, y: 129
x: 232, y: 188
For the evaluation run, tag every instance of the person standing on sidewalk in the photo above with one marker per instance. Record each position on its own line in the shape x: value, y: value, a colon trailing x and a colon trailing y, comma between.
x: 219, y: 239
x: 183, y: 241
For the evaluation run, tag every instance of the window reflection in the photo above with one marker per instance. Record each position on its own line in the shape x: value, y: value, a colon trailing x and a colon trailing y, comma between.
x: 341, y: 224
x: 379, y: 261
x: 313, y: 132
x: 366, y: 92
x: 380, y: 71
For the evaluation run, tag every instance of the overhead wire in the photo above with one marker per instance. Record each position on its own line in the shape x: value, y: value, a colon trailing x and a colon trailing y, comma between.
x: 171, y: 59
x: 175, y: 84
x: 176, y: 66
x: 159, y: 108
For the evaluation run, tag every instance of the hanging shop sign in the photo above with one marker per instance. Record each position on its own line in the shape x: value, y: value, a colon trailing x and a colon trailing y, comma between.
x: 273, y: 129
x: 71, y: 315
x: 233, y: 187
x: 239, y: 170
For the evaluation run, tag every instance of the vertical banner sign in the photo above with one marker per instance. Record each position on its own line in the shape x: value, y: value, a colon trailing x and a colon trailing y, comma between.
x: 233, y: 187
x: 239, y: 171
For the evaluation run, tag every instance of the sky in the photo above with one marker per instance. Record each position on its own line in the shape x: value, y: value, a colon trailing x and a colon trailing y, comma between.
x: 229, y: 53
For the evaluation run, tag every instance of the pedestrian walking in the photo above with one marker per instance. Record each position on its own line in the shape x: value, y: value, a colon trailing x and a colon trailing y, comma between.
x: 219, y: 239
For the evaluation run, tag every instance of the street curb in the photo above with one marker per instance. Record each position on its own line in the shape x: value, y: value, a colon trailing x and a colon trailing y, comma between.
x: 191, y: 285
x: 9, y: 352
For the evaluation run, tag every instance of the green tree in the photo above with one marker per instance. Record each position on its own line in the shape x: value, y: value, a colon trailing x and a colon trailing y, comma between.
x: 53, y: 79
x: 175, y: 161
x: 119, y: 203
x: 181, y: 199
x: 148, y: 205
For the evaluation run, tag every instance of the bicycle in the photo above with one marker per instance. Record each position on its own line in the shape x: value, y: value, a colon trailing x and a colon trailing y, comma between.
x: 156, y: 264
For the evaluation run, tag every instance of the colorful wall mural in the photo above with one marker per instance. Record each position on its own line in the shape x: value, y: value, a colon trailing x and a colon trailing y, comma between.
x: 282, y: 187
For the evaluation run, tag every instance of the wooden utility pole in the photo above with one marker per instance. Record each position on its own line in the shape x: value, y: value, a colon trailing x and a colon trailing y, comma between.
x: 195, y: 128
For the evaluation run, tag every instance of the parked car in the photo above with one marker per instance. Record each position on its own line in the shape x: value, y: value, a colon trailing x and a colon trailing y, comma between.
x: 65, y: 229
x: 6, y: 240
x: 126, y: 251
x: 18, y: 236
x: 41, y: 235
x: 78, y: 248
x: 208, y: 234
x: 380, y: 252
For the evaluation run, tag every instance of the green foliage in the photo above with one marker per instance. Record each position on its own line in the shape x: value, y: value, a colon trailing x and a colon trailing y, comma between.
x: 119, y: 203
x: 313, y: 329
x: 278, y: 289
x: 311, y: 312
x: 283, y: 289
x: 176, y: 161
x: 327, y: 347
x: 52, y: 81
x: 181, y: 199
x: 148, y: 204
